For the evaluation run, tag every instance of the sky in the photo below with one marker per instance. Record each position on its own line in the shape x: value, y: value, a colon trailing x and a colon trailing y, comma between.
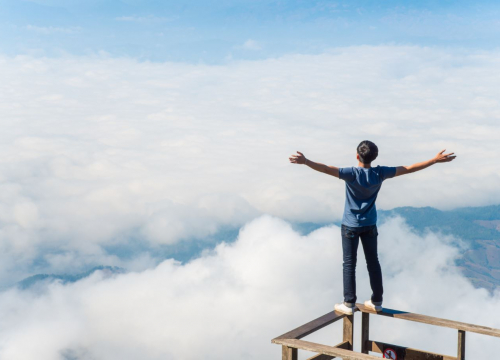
x: 132, y: 126
x: 216, y: 32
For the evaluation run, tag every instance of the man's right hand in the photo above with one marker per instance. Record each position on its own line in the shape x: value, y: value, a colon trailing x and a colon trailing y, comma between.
x: 440, y: 157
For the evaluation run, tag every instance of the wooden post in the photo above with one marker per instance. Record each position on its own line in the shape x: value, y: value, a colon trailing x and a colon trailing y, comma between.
x: 349, y: 330
x: 365, y: 332
x: 288, y: 353
x: 461, y: 345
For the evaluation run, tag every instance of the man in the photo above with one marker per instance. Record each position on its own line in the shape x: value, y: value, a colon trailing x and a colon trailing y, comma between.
x: 360, y: 215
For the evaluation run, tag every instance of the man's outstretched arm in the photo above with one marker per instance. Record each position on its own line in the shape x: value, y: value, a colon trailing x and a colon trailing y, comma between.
x: 301, y: 159
x: 439, y: 158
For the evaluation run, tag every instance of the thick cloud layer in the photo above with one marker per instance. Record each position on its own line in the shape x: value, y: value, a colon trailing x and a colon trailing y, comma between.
x: 97, y: 151
x: 231, y: 302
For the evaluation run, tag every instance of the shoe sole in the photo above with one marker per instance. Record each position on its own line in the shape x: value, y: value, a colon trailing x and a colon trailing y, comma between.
x: 344, y: 312
x: 377, y: 309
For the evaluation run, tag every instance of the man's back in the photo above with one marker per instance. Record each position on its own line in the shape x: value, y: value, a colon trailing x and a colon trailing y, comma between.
x: 362, y: 187
x: 360, y: 216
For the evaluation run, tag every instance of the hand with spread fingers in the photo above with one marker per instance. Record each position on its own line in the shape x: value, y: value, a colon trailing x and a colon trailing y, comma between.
x: 440, y: 157
x: 298, y: 159
x: 301, y: 159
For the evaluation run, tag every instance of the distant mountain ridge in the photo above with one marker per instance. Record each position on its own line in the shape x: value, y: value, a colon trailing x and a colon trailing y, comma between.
x: 65, y: 278
x: 469, y: 223
x: 479, y: 227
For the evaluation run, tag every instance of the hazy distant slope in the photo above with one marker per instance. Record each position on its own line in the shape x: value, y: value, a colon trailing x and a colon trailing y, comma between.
x: 478, y: 226
x: 459, y: 222
x: 66, y: 278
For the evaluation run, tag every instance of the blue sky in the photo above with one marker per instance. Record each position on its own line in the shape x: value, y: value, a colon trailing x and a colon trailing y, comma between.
x: 219, y: 31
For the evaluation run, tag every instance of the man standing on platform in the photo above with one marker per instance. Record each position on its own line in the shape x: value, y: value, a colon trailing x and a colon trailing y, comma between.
x: 360, y: 215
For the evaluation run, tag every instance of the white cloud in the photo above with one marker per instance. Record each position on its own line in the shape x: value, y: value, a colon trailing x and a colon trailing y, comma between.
x: 251, y: 45
x: 96, y: 150
x: 144, y: 19
x: 47, y: 30
x: 235, y: 300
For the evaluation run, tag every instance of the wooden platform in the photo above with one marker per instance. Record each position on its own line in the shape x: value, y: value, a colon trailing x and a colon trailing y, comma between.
x: 291, y: 342
x: 431, y: 320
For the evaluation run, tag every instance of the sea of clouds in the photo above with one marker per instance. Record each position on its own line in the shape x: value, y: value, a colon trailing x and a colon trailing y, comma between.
x: 99, y: 152
x: 230, y: 302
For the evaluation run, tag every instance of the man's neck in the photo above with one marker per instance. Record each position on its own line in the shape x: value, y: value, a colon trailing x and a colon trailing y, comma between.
x: 366, y: 166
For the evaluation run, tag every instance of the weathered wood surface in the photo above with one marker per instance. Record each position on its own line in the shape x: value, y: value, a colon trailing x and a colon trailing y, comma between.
x: 289, y: 353
x: 342, y: 345
x: 321, y: 357
x: 365, y: 332
x: 431, y: 320
x: 326, y: 350
x: 312, y: 326
x: 461, y: 345
x: 410, y: 354
x: 349, y: 330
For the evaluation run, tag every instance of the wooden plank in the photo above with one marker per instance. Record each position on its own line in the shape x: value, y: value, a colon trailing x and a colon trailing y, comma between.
x: 407, y: 353
x: 326, y: 350
x: 365, y: 332
x: 461, y: 345
x: 349, y: 330
x: 431, y: 320
x: 312, y: 326
x: 342, y: 345
x: 289, y: 353
x: 321, y: 357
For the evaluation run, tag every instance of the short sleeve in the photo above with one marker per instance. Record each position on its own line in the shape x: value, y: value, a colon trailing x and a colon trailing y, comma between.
x: 347, y: 174
x: 387, y: 172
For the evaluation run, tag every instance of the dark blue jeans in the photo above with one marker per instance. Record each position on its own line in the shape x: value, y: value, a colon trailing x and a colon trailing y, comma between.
x: 350, y: 242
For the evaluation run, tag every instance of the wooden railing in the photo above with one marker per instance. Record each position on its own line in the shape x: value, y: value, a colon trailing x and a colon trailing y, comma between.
x: 291, y: 342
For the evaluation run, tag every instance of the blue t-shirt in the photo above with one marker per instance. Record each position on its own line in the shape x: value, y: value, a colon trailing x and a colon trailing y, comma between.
x: 361, y: 189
